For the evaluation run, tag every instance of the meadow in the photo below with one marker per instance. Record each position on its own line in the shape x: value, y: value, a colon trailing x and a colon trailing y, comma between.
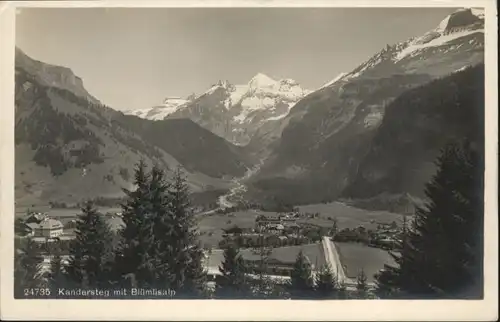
x: 211, y: 226
x: 347, y: 216
x: 356, y: 256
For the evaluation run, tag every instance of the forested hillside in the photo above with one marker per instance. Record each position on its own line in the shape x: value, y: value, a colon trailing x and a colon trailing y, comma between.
x: 416, y: 126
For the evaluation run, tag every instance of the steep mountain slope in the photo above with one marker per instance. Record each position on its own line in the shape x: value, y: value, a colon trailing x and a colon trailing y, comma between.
x: 51, y: 75
x: 196, y: 148
x: 235, y: 112
x: 416, y: 125
x: 69, y: 147
x: 327, y: 134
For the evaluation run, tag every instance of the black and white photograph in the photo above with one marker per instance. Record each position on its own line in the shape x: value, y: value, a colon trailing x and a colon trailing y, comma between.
x: 306, y: 154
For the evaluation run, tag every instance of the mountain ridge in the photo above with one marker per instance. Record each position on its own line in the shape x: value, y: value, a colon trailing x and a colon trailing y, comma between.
x: 325, y: 136
x: 52, y: 75
x: 235, y: 112
x: 70, y: 147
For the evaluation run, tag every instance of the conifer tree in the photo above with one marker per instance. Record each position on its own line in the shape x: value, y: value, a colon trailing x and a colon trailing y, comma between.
x: 361, y: 285
x: 90, y: 253
x: 388, y: 280
x: 57, y: 277
x: 276, y: 289
x: 232, y: 283
x: 133, y: 258
x: 159, y: 246
x: 342, y: 293
x: 263, y: 284
x: 335, y: 227
x: 441, y: 255
x: 326, y: 283
x: 27, y: 268
x: 302, y: 283
x: 188, y: 275
x: 160, y: 217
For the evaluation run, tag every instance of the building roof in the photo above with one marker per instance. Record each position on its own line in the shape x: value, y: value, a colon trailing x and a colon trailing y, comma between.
x: 35, y: 217
x: 32, y: 225
x: 66, y: 237
x: 268, y: 218
x: 50, y: 224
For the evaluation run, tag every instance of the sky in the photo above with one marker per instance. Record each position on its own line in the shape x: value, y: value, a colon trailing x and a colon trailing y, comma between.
x: 132, y: 58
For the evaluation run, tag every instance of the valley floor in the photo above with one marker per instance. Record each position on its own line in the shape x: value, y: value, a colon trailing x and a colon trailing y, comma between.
x: 346, y: 258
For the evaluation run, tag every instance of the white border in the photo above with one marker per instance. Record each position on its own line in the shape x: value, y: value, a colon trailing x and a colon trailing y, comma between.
x: 486, y: 309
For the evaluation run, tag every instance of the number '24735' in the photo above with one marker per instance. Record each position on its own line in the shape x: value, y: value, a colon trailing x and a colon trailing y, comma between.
x: 36, y: 292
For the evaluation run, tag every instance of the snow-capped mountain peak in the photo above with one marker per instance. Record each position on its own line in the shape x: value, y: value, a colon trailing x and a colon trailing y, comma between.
x: 174, y: 100
x: 224, y: 84
x: 234, y: 111
x: 261, y: 100
x: 460, y: 19
x: 333, y: 81
x: 459, y: 24
x: 460, y: 30
x: 170, y: 105
x: 260, y: 81
x: 478, y: 12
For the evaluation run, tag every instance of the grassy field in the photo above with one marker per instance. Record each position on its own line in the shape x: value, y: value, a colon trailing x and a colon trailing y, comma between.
x: 211, y: 226
x: 348, y: 217
x: 356, y: 256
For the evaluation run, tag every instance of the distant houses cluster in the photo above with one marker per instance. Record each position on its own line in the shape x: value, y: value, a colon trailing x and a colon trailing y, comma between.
x: 385, y: 236
x: 274, y: 231
x: 277, y: 223
x: 40, y: 225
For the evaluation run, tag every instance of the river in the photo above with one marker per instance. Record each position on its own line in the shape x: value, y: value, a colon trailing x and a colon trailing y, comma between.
x: 233, y: 196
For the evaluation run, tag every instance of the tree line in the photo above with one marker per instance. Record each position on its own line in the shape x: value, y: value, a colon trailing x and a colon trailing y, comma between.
x: 439, y: 255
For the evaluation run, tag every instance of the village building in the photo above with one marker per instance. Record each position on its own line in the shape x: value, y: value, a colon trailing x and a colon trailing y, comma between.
x: 291, y: 218
x: 35, y: 217
x: 31, y: 228
x: 49, y: 228
x: 276, y: 224
x: 267, y: 220
x: 275, y: 228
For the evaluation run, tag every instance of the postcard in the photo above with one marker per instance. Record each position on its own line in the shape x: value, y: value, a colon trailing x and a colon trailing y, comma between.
x: 253, y: 160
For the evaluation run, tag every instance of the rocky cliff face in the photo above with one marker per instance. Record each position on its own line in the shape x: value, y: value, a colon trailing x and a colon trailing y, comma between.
x: 53, y: 76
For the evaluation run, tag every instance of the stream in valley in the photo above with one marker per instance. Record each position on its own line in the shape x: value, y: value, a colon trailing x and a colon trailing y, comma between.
x: 234, y: 195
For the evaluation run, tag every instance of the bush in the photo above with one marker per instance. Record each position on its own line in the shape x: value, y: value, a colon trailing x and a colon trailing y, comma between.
x: 124, y: 174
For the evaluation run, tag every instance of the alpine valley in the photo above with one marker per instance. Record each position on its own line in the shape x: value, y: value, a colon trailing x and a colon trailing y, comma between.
x: 369, y: 136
